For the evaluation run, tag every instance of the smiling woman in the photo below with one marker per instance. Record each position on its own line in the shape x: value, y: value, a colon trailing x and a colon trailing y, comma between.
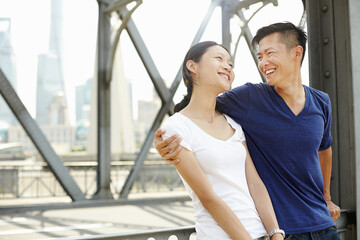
x: 214, y: 163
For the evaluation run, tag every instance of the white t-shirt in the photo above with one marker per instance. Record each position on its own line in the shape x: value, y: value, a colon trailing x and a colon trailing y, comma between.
x: 224, y: 164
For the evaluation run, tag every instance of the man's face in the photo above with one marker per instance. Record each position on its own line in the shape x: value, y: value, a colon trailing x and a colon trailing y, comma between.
x: 275, y: 61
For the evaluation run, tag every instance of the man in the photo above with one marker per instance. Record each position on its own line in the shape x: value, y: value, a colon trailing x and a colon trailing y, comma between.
x: 287, y: 128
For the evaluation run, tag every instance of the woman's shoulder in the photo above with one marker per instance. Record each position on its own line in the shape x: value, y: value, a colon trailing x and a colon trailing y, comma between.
x: 176, y: 124
x: 235, y: 126
x: 232, y: 122
x: 174, y: 120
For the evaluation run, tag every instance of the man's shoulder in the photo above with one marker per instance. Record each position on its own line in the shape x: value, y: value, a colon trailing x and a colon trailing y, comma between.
x: 318, y: 94
x: 250, y: 86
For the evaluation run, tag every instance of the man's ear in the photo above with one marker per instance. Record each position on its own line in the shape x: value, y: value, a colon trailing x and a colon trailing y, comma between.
x: 191, y: 66
x: 299, y: 52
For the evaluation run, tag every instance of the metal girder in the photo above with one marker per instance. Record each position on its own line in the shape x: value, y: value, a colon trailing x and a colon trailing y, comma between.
x: 167, y: 104
x: 39, y: 140
x: 148, y: 62
x: 354, y: 9
x: 116, y: 5
x: 106, y: 46
x: 330, y: 71
x: 246, y: 3
x: 245, y: 30
x: 227, y: 12
x: 103, y: 105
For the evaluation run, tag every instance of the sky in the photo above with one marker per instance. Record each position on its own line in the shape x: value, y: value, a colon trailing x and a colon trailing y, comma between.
x: 167, y: 28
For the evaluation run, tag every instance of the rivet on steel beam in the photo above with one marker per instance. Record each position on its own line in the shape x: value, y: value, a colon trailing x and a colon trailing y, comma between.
x: 326, y: 41
x: 327, y: 74
x: 324, y: 8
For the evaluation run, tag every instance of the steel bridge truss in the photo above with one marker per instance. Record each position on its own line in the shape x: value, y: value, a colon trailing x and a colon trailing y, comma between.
x: 108, y: 39
x: 329, y: 29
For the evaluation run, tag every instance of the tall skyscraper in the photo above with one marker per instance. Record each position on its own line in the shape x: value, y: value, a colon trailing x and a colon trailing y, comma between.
x: 82, y: 101
x: 50, y: 79
x: 122, y: 126
x: 8, y: 66
x: 58, y: 110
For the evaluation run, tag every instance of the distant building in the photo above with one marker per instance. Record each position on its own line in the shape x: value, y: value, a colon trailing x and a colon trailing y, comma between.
x: 121, y: 121
x: 49, y: 82
x: 61, y: 137
x: 8, y: 66
x: 57, y: 111
x: 4, y: 132
x: 147, y: 111
x: 140, y: 134
x: 82, y: 101
x: 50, y: 73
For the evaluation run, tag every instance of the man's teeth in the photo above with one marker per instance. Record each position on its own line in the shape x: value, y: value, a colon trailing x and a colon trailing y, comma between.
x: 267, y: 72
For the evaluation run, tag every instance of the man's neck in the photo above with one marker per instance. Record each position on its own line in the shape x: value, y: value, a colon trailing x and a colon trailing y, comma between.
x: 294, y: 96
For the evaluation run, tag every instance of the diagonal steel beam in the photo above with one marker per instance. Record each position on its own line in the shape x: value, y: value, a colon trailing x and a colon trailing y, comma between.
x: 226, y: 14
x: 247, y: 3
x: 148, y: 62
x: 167, y: 104
x: 38, y: 138
x: 248, y: 38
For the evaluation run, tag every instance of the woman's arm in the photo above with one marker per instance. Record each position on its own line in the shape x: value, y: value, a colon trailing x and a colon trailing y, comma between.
x: 261, y: 197
x: 191, y: 171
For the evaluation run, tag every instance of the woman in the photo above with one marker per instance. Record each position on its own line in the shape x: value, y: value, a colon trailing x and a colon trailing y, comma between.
x: 230, y: 201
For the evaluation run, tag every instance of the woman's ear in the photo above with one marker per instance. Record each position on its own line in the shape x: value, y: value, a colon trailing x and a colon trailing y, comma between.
x: 191, y: 66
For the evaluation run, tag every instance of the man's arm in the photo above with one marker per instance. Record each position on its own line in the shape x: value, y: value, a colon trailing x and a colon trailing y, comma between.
x: 325, y: 158
x: 261, y: 197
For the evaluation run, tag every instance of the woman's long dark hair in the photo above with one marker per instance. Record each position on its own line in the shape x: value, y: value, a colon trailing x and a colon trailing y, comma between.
x: 195, y: 53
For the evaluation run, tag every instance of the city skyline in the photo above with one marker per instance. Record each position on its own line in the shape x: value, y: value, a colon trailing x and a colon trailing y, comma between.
x: 80, y: 42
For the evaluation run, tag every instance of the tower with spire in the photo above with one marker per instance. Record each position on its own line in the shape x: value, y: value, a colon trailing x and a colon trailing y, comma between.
x: 8, y: 66
x: 50, y: 80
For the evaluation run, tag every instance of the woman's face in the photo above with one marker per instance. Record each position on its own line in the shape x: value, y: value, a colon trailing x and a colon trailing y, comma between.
x: 215, y: 70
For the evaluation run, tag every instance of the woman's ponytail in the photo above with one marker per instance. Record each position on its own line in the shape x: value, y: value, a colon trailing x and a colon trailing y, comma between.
x: 185, y: 101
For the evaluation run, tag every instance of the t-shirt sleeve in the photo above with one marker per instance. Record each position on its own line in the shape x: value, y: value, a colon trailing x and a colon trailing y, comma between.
x: 241, y: 134
x: 234, y: 101
x: 237, y: 127
x: 327, y: 138
x: 172, y: 126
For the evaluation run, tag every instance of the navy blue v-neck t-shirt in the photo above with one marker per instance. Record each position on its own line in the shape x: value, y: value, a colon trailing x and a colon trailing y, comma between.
x: 284, y: 148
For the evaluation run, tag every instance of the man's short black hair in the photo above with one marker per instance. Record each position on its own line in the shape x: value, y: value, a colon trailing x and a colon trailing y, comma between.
x: 290, y: 35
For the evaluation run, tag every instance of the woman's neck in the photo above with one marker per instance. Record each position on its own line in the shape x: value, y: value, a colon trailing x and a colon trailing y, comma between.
x: 202, y: 106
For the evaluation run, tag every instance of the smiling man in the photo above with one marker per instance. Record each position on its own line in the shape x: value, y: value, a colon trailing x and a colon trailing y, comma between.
x: 287, y: 128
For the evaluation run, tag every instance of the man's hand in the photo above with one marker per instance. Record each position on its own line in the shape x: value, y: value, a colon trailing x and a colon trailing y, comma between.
x: 334, y: 209
x: 169, y: 148
x: 277, y: 237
